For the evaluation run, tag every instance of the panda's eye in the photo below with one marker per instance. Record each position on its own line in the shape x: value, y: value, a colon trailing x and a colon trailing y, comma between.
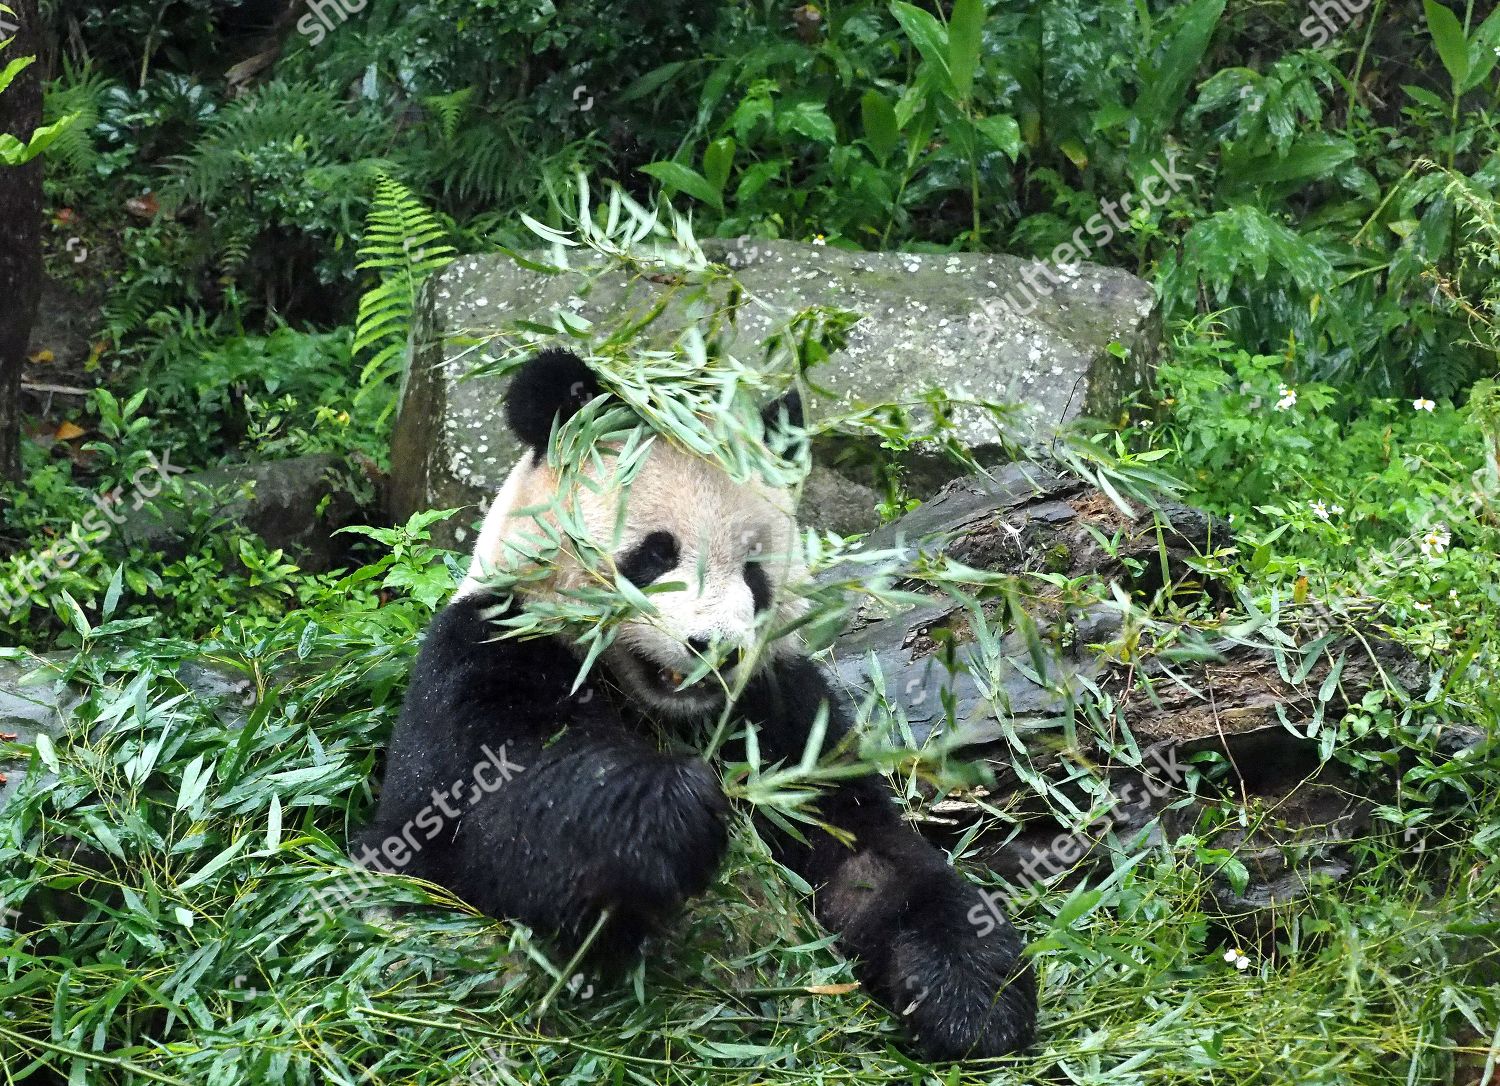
x: 649, y: 559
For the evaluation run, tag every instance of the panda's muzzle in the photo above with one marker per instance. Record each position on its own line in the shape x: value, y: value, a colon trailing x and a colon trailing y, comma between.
x: 671, y: 680
x: 725, y: 660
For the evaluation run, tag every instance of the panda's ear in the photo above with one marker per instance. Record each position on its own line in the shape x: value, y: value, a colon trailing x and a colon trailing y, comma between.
x: 549, y: 388
x: 784, y: 423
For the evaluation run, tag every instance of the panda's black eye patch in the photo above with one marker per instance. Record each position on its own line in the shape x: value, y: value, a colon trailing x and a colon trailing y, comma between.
x: 649, y: 559
x: 760, y: 586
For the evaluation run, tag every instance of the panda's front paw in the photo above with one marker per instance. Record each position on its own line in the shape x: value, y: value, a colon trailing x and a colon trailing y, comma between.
x: 959, y: 995
x: 672, y: 840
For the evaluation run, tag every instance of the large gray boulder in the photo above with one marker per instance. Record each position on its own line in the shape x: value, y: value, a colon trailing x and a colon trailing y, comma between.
x: 965, y: 323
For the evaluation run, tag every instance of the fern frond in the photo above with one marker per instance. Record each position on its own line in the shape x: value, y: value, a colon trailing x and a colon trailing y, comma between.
x: 449, y: 110
x: 404, y: 244
x: 78, y: 93
x: 277, y: 115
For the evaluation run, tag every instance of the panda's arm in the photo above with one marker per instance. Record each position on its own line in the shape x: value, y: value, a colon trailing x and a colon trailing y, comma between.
x: 925, y: 942
x: 597, y: 822
x: 533, y: 801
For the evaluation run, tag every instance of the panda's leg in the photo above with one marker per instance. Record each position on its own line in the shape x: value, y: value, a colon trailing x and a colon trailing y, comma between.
x: 925, y: 942
x: 599, y: 830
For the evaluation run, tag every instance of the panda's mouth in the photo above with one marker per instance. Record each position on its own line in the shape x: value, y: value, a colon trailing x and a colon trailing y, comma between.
x: 669, y: 680
x: 666, y: 680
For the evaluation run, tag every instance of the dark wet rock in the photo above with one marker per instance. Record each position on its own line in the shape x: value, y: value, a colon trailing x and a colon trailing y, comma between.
x: 36, y: 698
x: 1020, y: 519
x: 295, y: 505
x: 832, y: 503
x: 1253, y: 706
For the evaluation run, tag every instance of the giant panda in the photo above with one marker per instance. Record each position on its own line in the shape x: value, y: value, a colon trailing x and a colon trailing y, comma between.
x: 597, y: 837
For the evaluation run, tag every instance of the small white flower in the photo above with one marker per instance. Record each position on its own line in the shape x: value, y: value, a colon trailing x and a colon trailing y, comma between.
x: 1420, y: 606
x: 820, y: 240
x: 1319, y: 510
x: 1436, y: 541
x: 1238, y: 959
x: 1336, y: 509
x: 1288, y: 399
x: 1453, y: 593
x: 1422, y: 403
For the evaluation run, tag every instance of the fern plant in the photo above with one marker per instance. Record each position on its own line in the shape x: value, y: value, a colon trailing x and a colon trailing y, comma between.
x: 404, y: 244
x: 78, y: 93
x: 448, y: 110
x: 278, y: 176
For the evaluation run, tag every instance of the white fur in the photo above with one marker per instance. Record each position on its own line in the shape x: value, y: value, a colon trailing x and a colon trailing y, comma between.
x: 487, y: 559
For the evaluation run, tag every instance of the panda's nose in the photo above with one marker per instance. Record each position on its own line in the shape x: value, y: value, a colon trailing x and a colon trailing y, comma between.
x: 729, y: 658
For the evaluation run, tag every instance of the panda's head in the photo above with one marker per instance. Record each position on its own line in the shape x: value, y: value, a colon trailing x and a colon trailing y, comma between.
x: 719, y: 551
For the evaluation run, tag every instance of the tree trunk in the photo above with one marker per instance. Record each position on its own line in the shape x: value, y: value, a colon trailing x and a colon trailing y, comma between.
x: 20, y: 232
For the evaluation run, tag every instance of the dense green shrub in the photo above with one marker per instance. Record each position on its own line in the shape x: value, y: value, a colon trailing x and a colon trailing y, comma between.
x: 1312, y: 218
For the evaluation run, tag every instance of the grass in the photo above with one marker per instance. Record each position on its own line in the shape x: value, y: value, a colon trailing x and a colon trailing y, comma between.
x: 175, y: 856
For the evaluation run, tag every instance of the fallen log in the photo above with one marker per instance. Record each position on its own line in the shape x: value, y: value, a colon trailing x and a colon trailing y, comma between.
x: 1129, y: 660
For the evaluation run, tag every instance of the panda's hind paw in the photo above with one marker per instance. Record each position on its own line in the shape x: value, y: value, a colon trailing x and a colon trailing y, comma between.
x: 968, y: 998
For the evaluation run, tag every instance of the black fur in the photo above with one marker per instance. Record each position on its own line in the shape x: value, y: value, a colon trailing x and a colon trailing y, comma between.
x: 783, y: 422
x: 592, y: 816
x: 650, y: 559
x: 760, y: 587
x: 595, y: 817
